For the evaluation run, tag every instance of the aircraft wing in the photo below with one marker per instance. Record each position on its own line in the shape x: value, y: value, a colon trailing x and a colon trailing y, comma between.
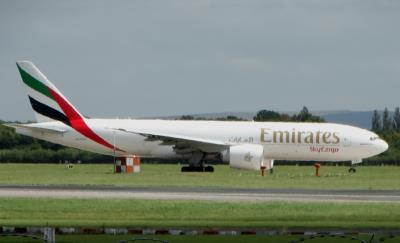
x: 36, y: 128
x: 183, y: 142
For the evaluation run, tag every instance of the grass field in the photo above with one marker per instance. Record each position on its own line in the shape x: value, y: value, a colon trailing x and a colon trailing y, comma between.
x: 159, y: 213
x: 332, y: 177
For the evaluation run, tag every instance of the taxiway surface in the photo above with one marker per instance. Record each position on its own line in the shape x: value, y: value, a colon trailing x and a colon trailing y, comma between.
x: 207, y: 194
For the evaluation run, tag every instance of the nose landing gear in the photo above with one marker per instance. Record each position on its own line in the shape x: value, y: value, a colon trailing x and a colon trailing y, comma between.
x: 352, y: 169
x: 354, y: 163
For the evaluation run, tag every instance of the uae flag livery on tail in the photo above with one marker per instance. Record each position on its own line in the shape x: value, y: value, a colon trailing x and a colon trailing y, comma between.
x: 49, y: 104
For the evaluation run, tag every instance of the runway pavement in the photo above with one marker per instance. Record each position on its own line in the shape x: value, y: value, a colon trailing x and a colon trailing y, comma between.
x: 205, y: 194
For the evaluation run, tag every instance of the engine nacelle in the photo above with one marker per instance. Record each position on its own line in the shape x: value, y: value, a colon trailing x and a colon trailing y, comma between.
x: 246, y: 156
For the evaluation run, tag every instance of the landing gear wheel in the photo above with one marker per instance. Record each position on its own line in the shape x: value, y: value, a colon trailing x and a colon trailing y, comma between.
x: 197, y: 169
x: 209, y: 169
x: 352, y: 170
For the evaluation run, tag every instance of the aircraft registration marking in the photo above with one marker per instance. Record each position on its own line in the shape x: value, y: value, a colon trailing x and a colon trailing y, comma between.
x: 240, y: 139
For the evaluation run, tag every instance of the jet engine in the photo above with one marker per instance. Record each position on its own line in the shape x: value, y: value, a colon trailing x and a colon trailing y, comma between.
x: 246, y: 156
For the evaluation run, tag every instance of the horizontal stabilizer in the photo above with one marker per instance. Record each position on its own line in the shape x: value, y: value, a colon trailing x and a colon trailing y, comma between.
x: 33, y: 128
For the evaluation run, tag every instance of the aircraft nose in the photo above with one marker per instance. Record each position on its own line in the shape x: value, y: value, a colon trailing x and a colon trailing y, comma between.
x: 382, y: 145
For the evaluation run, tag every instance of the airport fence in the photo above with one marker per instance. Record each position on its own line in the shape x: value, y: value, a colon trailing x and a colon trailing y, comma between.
x: 48, y: 235
x: 348, y: 238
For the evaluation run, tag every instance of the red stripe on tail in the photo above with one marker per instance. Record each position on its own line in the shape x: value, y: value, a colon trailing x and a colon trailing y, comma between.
x: 78, y: 123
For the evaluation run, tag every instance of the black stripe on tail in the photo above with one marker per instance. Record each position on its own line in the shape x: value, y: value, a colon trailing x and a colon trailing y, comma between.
x: 48, y: 111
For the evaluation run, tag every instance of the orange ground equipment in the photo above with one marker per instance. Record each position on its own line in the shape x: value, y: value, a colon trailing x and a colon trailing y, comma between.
x: 130, y: 164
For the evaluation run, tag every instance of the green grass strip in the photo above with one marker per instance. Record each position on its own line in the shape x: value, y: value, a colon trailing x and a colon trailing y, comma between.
x: 159, y: 213
x: 162, y: 175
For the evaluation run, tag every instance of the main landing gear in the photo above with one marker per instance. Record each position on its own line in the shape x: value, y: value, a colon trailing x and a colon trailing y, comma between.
x: 196, y: 164
x: 197, y: 169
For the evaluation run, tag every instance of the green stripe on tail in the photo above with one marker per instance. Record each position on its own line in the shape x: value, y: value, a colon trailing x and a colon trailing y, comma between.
x: 34, y: 84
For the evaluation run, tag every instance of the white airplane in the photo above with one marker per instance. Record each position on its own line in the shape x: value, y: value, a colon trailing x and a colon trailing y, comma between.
x: 245, y: 145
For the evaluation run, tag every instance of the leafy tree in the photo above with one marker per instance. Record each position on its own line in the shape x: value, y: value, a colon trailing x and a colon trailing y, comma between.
x: 230, y: 118
x: 186, y: 117
x: 386, y: 121
x: 396, y: 120
x: 267, y: 115
x: 285, y: 117
x: 305, y: 116
x: 376, y: 122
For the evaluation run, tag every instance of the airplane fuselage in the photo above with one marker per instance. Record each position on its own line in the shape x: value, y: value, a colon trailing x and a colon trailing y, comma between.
x: 281, y: 140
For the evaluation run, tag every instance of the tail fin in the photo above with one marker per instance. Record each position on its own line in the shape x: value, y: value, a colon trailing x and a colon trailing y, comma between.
x: 47, y: 101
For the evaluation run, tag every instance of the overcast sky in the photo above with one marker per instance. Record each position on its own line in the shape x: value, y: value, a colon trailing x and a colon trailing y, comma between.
x: 160, y: 58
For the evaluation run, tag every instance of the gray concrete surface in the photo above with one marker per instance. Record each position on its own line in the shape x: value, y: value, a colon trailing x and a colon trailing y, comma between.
x: 207, y: 194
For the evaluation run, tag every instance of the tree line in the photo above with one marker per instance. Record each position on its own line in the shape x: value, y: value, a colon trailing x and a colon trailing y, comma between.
x: 227, y: 118
x: 266, y: 115
x: 387, y: 123
x: 387, y: 127
x: 303, y: 116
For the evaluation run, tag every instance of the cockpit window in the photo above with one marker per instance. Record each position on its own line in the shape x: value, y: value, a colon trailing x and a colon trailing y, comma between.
x: 373, y: 138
